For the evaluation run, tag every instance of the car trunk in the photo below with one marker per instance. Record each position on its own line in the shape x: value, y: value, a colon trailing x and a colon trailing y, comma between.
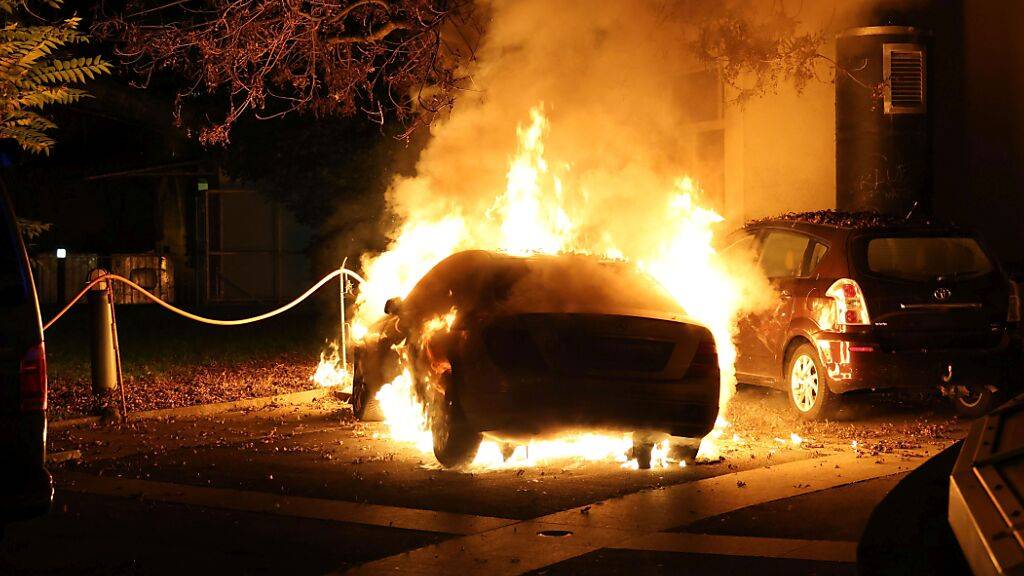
x: 552, y: 372
x: 928, y: 289
x: 600, y: 345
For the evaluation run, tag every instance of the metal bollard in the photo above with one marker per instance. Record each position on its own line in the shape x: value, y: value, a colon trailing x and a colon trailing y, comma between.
x: 102, y: 344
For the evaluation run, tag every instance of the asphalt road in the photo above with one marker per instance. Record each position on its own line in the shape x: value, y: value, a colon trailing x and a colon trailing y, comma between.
x: 306, y: 490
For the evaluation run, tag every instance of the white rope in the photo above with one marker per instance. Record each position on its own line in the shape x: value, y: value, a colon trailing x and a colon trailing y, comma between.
x: 203, y: 319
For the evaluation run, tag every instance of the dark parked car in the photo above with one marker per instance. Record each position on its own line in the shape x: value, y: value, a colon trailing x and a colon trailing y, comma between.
x: 25, y: 486
x: 873, y: 303
x: 542, y: 344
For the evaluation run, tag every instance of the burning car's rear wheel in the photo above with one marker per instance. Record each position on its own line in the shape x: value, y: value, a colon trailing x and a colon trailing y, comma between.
x: 455, y: 443
x: 809, y: 394
x: 684, y: 449
x: 642, y: 449
x: 365, y: 405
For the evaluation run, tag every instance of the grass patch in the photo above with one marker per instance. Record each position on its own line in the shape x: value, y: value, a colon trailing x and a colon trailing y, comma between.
x: 170, y: 361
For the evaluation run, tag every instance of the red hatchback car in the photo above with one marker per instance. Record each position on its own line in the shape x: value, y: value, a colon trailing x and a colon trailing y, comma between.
x: 868, y: 302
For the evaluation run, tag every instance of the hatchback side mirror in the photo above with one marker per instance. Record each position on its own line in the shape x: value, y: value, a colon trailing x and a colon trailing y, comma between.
x: 392, y: 306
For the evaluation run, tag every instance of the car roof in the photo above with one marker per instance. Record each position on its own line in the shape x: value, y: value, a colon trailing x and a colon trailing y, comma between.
x: 553, y: 283
x: 537, y: 258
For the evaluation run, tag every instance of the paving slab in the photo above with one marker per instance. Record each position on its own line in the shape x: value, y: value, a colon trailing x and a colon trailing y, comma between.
x: 612, y: 562
x: 524, y: 547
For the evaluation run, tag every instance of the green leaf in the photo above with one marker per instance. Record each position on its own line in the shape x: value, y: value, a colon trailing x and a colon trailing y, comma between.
x: 34, y: 76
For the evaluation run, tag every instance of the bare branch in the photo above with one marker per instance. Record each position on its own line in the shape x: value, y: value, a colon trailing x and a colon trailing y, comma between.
x: 269, y: 58
x: 375, y: 36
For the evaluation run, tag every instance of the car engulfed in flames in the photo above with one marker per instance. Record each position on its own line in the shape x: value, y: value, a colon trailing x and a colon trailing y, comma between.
x: 524, y: 347
x: 573, y: 313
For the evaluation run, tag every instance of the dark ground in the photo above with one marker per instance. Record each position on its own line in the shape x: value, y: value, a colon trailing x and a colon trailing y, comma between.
x: 306, y: 490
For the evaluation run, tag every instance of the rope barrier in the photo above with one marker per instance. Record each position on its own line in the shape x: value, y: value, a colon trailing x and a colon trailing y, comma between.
x: 196, y: 317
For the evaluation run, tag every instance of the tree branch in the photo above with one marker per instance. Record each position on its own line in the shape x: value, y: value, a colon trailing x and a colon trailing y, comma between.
x: 266, y: 58
x: 376, y: 36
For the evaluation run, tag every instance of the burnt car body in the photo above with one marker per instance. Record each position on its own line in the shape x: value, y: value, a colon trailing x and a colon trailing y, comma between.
x: 539, y: 345
x: 872, y: 303
x: 26, y: 488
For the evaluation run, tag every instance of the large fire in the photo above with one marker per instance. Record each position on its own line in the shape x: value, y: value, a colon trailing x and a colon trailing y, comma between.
x: 537, y: 212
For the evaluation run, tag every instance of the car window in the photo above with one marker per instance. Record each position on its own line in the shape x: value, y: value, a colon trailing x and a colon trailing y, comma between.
x: 744, y: 243
x: 927, y: 257
x: 782, y: 254
x: 817, y: 254
x: 465, y: 280
x: 434, y: 294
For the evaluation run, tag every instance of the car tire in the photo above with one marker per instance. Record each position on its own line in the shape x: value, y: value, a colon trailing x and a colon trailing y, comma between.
x: 365, y: 405
x: 455, y: 442
x: 642, y: 450
x: 684, y: 450
x: 507, y: 451
x: 980, y: 401
x: 807, y: 385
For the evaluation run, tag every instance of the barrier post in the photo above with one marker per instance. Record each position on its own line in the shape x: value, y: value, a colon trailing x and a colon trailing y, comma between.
x: 343, y: 287
x: 62, y: 275
x: 102, y: 347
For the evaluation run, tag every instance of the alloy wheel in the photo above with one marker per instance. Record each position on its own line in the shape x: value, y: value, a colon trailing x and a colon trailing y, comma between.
x: 804, y: 382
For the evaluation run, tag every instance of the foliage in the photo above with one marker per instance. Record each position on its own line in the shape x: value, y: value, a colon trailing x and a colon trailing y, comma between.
x: 331, y: 173
x: 756, y: 52
x: 311, y: 166
x: 857, y: 220
x: 32, y: 229
x: 269, y: 58
x: 33, y: 76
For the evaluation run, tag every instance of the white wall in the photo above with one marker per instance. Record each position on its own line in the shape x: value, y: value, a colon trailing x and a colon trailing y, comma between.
x: 780, y: 148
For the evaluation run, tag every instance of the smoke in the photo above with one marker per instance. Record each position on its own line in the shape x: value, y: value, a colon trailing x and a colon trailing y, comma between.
x: 610, y: 78
x: 581, y: 284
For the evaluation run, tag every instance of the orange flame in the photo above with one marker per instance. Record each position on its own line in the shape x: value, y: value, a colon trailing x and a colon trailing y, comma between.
x: 330, y: 372
x: 535, y: 213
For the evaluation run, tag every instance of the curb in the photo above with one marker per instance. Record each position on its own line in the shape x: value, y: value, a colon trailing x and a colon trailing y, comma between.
x: 61, y: 457
x: 205, y: 409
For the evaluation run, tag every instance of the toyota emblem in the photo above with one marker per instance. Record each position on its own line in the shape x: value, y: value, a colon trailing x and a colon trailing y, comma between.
x: 942, y: 294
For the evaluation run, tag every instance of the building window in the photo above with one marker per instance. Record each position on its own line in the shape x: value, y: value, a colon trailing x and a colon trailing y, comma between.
x: 702, y: 96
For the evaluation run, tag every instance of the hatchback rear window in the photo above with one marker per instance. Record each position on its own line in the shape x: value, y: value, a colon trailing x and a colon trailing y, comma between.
x: 927, y: 257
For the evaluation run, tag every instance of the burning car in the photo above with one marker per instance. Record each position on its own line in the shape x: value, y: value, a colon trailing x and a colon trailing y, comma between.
x: 519, y: 347
x: 869, y: 302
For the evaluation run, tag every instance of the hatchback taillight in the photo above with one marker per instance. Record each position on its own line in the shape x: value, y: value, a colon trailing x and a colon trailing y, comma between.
x: 1013, y: 312
x: 32, y: 379
x: 851, y: 308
